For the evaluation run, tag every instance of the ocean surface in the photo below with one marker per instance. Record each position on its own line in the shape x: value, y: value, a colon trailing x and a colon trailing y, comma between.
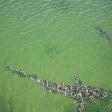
x: 54, y: 39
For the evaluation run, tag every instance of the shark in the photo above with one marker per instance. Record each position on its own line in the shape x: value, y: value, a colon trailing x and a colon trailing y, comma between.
x: 79, y: 92
x: 103, y: 34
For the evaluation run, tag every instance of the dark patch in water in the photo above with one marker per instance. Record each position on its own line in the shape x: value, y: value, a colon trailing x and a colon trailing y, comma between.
x: 3, y: 105
x: 68, y: 108
x: 103, y: 34
x: 6, y: 105
x: 52, y: 50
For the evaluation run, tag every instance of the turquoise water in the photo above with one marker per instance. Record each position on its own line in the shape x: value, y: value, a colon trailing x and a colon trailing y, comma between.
x: 53, y: 38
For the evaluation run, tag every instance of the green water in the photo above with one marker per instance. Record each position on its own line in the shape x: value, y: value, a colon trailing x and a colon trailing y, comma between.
x: 53, y: 38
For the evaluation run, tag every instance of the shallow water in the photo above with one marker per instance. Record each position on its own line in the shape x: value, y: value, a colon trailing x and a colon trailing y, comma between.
x: 53, y: 38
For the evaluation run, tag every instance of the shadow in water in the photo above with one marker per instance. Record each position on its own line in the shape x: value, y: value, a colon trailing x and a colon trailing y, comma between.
x: 69, y: 108
x: 6, y: 106
x: 3, y: 105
